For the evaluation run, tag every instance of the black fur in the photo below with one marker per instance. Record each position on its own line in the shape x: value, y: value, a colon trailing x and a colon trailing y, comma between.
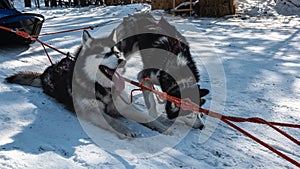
x: 171, y: 43
x: 57, y: 81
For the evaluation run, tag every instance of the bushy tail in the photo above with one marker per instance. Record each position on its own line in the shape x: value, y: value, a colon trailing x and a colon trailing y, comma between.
x: 26, y: 78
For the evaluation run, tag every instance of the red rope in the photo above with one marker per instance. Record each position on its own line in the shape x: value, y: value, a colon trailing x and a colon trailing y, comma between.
x: 34, y: 38
x: 187, y: 104
x: 51, y: 47
x: 47, y: 54
x: 66, y: 31
x: 262, y: 143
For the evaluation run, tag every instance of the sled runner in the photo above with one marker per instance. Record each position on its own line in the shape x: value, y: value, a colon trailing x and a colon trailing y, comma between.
x: 12, y: 18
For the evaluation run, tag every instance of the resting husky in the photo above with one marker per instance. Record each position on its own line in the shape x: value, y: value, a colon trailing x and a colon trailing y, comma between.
x: 98, y: 86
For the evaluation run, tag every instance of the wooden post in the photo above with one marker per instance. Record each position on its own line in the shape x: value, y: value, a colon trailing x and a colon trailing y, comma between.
x: 47, y: 3
x: 191, y: 7
x: 174, y: 4
x: 37, y: 3
x: 53, y: 3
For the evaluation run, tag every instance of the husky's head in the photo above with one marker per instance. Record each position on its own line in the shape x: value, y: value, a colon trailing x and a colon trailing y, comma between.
x: 101, y: 59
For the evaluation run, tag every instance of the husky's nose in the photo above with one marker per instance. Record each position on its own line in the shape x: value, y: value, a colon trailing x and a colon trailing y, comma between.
x: 121, y: 63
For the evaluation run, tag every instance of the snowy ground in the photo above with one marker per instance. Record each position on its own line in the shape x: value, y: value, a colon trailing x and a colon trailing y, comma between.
x: 250, y: 63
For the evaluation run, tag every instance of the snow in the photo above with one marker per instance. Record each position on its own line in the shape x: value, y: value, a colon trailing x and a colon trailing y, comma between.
x: 269, y: 7
x: 250, y: 62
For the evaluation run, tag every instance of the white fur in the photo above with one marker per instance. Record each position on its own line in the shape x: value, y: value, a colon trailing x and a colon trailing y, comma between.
x: 86, y: 39
x: 111, y: 61
x: 114, y: 38
x: 91, y: 103
x: 162, y: 40
x: 181, y: 60
x: 192, y: 120
x: 91, y: 68
x: 186, y: 82
x: 120, y: 54
x: 115, y: 49
x: 153, y: 77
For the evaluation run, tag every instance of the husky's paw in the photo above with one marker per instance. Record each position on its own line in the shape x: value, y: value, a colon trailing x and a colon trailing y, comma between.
x: 164, y: 131
x: 157, y: 126
x: 122, y: 131
x: 127, y: 135
x: 193, y: 120
x: 168, y: 133
x: 130, y: 134
x: 199, y: 126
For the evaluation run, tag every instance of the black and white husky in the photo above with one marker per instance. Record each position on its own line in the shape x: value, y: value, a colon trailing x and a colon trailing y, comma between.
x: 89, y: 84
x: 166, y: 58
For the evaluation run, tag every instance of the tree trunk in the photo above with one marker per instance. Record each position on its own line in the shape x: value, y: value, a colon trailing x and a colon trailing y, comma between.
x: 27, y: 3
x: 47, y: 3
x: 53, y: 3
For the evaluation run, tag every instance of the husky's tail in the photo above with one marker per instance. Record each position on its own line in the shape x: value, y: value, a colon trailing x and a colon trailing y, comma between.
x: 26, y: 78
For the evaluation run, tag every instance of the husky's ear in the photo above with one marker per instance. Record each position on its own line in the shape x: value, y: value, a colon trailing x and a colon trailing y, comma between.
x: 113, y: 36
x: 86, y: 39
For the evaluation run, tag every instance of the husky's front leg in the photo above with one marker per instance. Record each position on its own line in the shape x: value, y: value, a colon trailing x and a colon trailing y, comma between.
x: 109, y: 123
x: 129, y: 112
x: 90, y: 110
x: 146, y: 120
x: 148, y: 96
